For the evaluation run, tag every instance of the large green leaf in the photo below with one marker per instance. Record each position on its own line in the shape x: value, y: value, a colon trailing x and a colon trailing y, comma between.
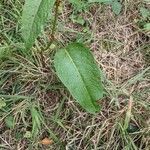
x: 35, y: 14
x: 76, y: 68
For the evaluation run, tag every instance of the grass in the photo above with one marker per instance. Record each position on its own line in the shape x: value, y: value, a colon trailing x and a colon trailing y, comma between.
x: 34, y: 104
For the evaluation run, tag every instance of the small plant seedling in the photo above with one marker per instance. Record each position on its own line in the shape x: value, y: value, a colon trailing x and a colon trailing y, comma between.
x: 74, y: 64
x: 144, y: 21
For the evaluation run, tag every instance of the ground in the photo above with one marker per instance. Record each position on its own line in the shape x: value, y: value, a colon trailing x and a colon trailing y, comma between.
x: 36, y: 110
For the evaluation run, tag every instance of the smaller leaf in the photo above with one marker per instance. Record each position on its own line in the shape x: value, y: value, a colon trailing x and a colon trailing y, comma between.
x: 18, y: 135
x: 75, y: 2
x: 36, y: 121
x: 34, y: 16
x: 53, y: 46
x: 78, y: 4
x: 147, y: 26
x: 28, y: 134
x: 144, y: 12
x: 10, y: 122
x: 116, y: 7
x: 5, y: 52
x: 2, y: 103
x: 147, y: 1
x: 100, y: 1
x: 78, y: 19
x: 132, y: 128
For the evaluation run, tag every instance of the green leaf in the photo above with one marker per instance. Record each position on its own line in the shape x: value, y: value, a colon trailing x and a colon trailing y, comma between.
x: 115, y: 4
x: 116, y: 7
x: 2, y: 103
x: 99, y: 1
x: 5, y: 52
x: 28, y: 134
x: 79, y: 5
x: 144, y: 12
x: 147, y: 1
x: 35, y: 14
x: 10, y: 122
x: 76, y: 68
x: 36, y: 121
x: 77, y: 19
x: 147, y: 26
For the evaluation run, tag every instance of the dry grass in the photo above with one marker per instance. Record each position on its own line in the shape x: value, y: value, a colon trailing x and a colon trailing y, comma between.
x: 117, y: 43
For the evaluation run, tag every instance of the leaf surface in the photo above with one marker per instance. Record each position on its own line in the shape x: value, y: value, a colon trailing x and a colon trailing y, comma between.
x: 76, y: 68
x: 147, y: 26
x: 144, y: 12
x: 35, y: 14
x: 99, y: 1
x: 116, y: 7
x: 10, y: 122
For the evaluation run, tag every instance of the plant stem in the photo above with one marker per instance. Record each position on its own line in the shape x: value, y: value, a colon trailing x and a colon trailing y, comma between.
x: 52, y: 37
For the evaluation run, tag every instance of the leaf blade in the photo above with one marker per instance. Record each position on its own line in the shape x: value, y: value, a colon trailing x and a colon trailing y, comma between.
x: 80, y: 74
x: 147, y: 27
x: 116, y: 7
x: 144, y: 12
x: 35, y: 13
x: 99, y: 1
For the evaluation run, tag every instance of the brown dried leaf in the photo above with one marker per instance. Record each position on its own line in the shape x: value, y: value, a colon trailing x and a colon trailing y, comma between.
x: 46, y: 141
